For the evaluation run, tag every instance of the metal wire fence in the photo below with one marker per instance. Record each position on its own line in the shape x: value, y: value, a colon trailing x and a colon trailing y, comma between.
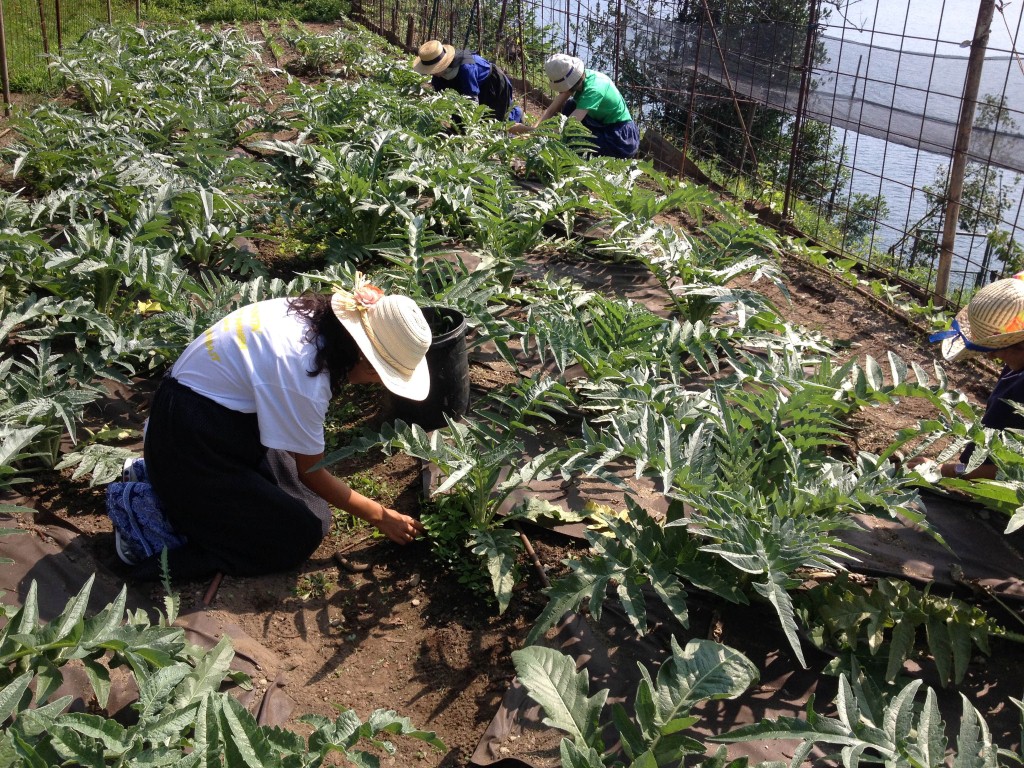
x: 34, y: 28
x: 892, y: 131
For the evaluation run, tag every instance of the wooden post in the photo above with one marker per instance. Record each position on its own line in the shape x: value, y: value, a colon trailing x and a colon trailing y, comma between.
x: 951, y: 218
x: 409, y: 27
x: 4, y: 75
x: 43, y: 32
x: 110, y: 12
x: 138, y: 11
x: 500, y: 34
x: 394, y: 19
x: 522, y: 49
x: 58, y: 20
x: 801, y: 101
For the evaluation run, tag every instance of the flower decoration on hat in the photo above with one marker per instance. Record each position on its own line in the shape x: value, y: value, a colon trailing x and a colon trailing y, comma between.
x: 363, y: 295
x: 391, y: 333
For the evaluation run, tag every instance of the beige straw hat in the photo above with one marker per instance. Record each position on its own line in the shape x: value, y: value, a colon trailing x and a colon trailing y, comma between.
x: 994, y: 319
x: 391, y: 333
x: 563, y: 71
x: 433, y: 58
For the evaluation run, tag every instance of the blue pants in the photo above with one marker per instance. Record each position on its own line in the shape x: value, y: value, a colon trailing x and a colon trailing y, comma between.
x: 614, y: 139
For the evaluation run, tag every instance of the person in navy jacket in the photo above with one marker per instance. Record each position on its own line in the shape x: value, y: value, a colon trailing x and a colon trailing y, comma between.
x: 991, y: 326
x: 469, y: 74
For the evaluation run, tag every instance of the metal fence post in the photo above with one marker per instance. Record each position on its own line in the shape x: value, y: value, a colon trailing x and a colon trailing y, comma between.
x: 568, y: 16
x: 59, y: 22
x: 42, y: 29
x: 693, y: 98
x: 965, y: 123
x: 618, y: 25
x: 805, y: 76
x: 728, y: 82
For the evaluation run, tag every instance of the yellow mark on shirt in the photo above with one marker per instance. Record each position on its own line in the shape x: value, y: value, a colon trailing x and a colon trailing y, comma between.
x: 208, y: 343
x: 254, y: 321
x: 240, y: 332
x: 251, y: 324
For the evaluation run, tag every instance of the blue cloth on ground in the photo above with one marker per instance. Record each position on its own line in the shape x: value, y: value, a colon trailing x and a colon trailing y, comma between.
x: 136, y: 513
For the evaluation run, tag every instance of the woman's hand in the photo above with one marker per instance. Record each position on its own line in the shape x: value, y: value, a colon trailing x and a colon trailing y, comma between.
x: 400, y: 528
x: 956, y: 469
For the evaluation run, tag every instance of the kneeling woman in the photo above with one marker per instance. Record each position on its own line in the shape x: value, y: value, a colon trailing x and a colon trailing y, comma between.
x: 592, y: 98
x: 237, y: 425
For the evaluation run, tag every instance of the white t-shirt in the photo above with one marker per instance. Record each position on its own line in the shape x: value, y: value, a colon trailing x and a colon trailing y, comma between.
x: 256, y: 361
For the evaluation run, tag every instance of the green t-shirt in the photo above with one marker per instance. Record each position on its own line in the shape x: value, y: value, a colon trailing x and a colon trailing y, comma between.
x: 602, y: 99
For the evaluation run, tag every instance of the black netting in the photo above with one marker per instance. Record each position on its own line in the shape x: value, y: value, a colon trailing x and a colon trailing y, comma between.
x: 852, y: 84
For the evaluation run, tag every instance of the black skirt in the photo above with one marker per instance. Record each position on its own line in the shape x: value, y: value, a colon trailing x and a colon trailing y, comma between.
x: 242, y: 508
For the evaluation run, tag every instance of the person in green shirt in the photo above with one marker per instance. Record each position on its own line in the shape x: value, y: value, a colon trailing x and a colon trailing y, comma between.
x: 592, y: 98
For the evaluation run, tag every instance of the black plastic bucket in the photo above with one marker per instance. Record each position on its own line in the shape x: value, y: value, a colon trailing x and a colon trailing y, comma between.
x: 448, y: 363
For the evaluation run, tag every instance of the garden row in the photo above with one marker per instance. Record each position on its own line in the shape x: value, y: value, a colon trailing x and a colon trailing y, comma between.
x: 128, y: 222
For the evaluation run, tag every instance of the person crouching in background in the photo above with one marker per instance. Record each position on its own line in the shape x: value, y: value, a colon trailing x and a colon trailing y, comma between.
x: 591, y: 98
x: 469, y: 74
x: 990, y: 326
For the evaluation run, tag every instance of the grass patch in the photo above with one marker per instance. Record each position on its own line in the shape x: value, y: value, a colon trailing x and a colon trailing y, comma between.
x: 249, y: 10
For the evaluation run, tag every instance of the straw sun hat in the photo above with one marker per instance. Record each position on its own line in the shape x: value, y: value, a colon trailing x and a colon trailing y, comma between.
x: 433, y: 58
x: 994, y: 319
x: 391, y: 333
x: 563, y: 71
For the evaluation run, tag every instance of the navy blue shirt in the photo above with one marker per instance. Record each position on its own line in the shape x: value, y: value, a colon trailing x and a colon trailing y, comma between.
x: 471, y: 74
x: 999, y: 414
x: 483, y: 82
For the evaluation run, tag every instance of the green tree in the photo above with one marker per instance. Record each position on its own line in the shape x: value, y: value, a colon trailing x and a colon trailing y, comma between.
x: 986, y: 196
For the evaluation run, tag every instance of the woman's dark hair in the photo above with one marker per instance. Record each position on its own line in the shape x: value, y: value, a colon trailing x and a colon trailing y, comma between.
x: 337, y: 352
